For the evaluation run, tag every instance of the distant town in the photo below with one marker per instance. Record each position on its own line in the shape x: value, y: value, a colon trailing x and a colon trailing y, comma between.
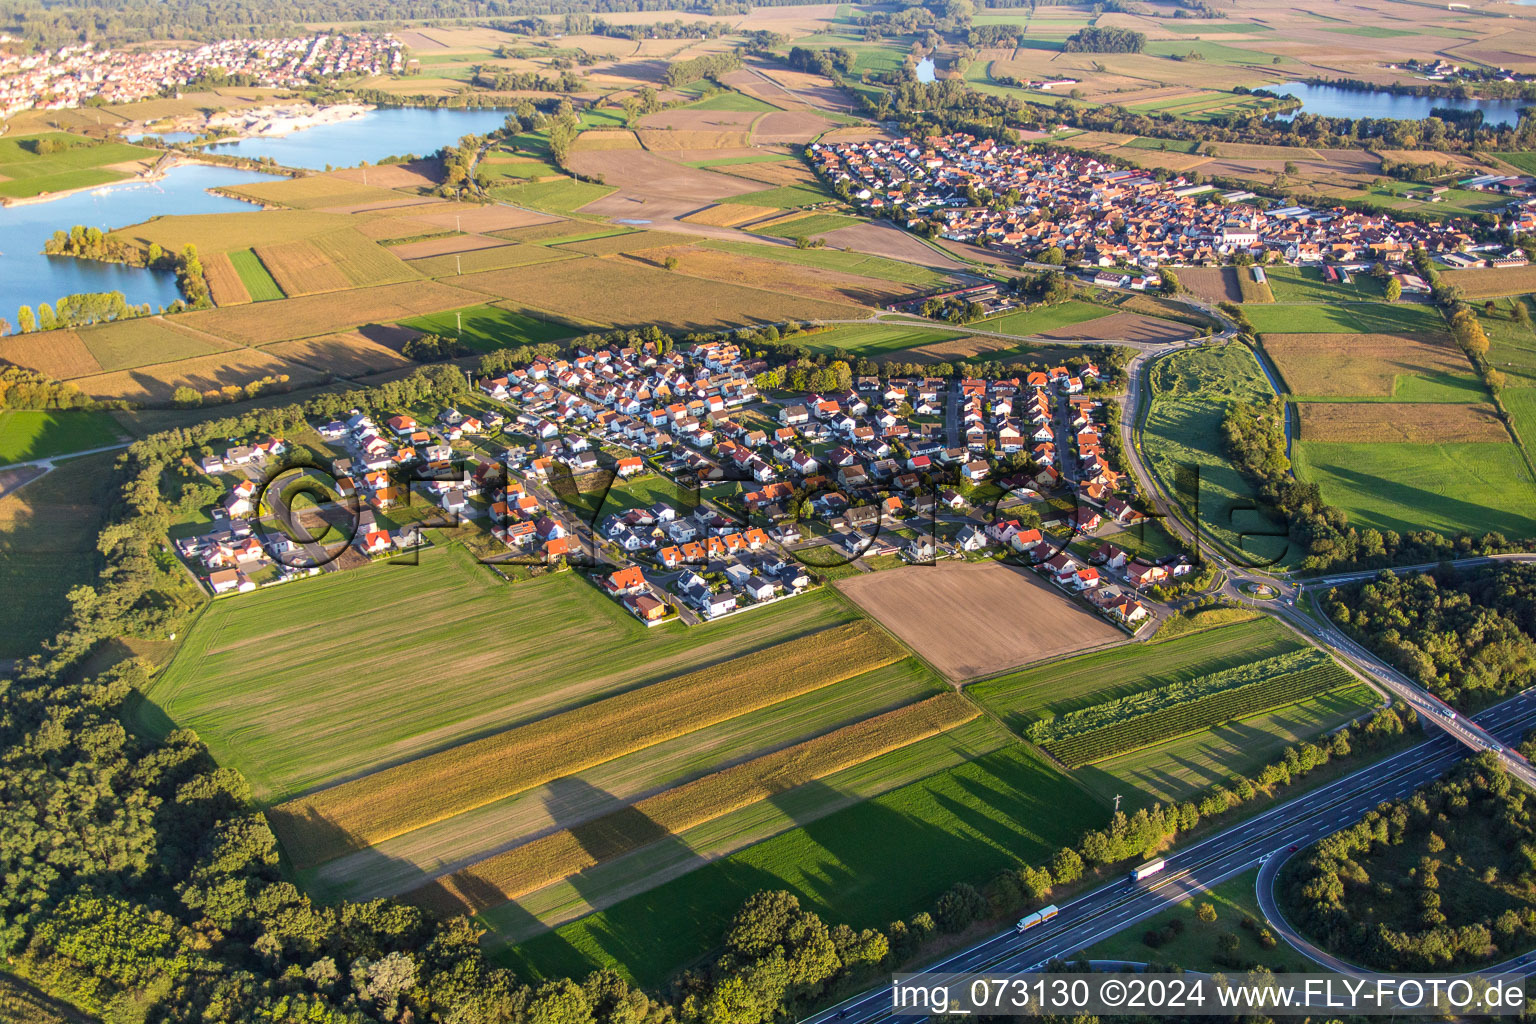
x: 75, y: 76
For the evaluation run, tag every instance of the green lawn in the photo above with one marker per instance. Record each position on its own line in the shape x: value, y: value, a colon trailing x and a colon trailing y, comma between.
x: 1019, y: 698
x: 254, y: 275
x: 806, y: 227
x: 247, y: 677
x: 732, y: 101
x: 867, y: 865
x: 490, y: 327
x: 565, y: 196
x: 1181, y: 440
x: 874, y: 341
x: 1163, y: 145
x: 837, y: 259
x: 785, y: 196
x: 1353, y: 318
x: 27, y: 434
x: 1307, y: 284
x: 1451, y: 488
x: 1045, y: 318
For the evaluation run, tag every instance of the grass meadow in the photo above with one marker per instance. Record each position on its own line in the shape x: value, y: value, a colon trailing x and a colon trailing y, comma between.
x: 874, y: 341
x: 1452, y: 488
x: 337, y: 664
x: 488, y: 327
x: 27, y: 434
x: 866, y: 865
x: 258, y: 281
x: 1349, y: 318
x: 1045, y: 318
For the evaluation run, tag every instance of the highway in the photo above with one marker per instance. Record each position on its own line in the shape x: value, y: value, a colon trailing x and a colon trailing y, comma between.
x: 1122, y: 903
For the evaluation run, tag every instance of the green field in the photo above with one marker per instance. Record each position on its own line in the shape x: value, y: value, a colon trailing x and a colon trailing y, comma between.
x: 837, y: 259
x: 489, y: 327
x: 1307, y: 284
x: 1511, y: 347
x: 1525, y: 161
x: 1521, y: 403
x: 565, y: 196
x: 79, y: 164
x: 1045, y: 318
x: 1451, y: 488
x: 784, y: 197
x: 1196, y: 949
x: 48, y: 545
x: 1181, y: 440
x: 731, y: 161
x: 867, y: 865
x: 874, y: 341
x: 1019, y: 698
x: 806, y: 227
x: 1353, y: 318
x: 27, y: 434
x: 254, y: 275
x: 373, y: 635
x: 731, y: 101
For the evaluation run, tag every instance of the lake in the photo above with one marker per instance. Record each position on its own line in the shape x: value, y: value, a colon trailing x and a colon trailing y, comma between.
x: 387, y: 131
x: 27, y: 277
x: 925, y: 70
x: 1331, y: 101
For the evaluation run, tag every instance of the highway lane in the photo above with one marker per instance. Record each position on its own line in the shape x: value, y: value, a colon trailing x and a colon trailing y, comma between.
x: 1120, y: 904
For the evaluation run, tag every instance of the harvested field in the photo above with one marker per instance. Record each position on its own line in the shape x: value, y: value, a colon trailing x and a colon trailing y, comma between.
x: 637, y: 241
x: 231, y: 232
x: 157, y: 383
x: 1129, y: 326
x: 1385, y: 422
x: 1489, y: 281
x: 597, y: 140
x: 402, y: 205
x: 498, y: 257
x: 663, y: 141
x: 561, y: 854
x: 647, y: 174
x: 772, y: 173
x: 485, y: 219
x: 1252, y: 288
x: 777, y: 222
x: 789, y: 126
x: 880, y: 239
x: 690, y: 120
x: 350, y: 353
x: 385, y: 229
x: 364, y: 263
x: 300, y: 268
x: 1213, y: 284
x: 311, y: 315
x: 728, y: 215
x: 59, y: 354
x: 813, y: 282
x: 447, y: 244
x: 331, y: 822
x: 1406, y: 366
x: 630, y: 294
x: 416, y: 174
x: 967, y: 619
x: 224, y: 283
x: 314, y: 191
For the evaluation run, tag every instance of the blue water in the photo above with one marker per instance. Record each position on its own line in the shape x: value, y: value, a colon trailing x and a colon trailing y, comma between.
x: 925, y: 70
x: 1331, y: 101
x: 163, y: 137
x: 391, y: 131
x: 27, y: 277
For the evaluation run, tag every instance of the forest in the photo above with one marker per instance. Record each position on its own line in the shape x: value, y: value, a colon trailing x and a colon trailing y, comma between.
x: 1469, y: 638
x: 1443, y: 879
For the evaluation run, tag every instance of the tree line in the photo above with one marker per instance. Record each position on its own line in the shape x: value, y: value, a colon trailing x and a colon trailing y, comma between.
x: 1093, y: 39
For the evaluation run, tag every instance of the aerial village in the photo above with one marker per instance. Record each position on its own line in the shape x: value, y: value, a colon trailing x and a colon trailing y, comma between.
x: 687, y: 493
x: 1108, y: 217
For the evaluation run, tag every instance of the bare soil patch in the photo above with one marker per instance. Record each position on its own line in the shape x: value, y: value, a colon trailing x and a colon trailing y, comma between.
x: 485, y: 218
x: 667, y: 141
x: 698, y: 120
x: 1387, y: 422
x: 978, y: 618
x: 880, y: 239
x: 1213, y: 284
x: 784, y: 172
x: 59, y: 354
x: 600, y: 140
x: 827, y: 285
x: 1129, y: 326
x: 789, y: 126
x: 416, y: 174
x: 646, y: 174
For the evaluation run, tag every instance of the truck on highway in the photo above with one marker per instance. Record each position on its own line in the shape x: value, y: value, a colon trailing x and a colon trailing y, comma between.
x: 1442, y: 709
x: 1148, y: 869
x: 1038, y: 917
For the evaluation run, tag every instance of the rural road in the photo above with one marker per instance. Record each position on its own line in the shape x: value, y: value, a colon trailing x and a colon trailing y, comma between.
x: 1120, y: 904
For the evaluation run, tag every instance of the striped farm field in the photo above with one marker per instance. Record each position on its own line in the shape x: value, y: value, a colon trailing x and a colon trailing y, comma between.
x: 144, y: 341
x: 371, y: 632
x: 365, y: 263
x: 560, y: 854
x: 639, y: 241
x: 1060, y: 687
x: 313, y: 191
x: 307, y: 316
x: 258, y: 280
x: 728, y: 215
x: 336, y: 821
x: 59, y: 354
x: 299, y: 268
x: 224, y: 282
x: 498, y: 257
